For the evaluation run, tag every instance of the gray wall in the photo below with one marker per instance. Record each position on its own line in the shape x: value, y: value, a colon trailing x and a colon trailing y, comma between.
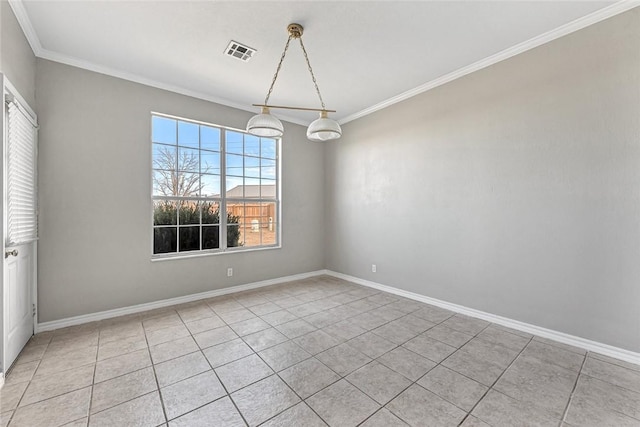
x: 95, y: 203
x: 17, y: 61
x: 514, y: 190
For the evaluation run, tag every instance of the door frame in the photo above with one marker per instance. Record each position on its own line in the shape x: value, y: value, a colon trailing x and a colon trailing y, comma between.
x: 8, y: 91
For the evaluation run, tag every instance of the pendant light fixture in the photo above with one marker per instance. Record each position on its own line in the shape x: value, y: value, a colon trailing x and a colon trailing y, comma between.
x: 264, y: 124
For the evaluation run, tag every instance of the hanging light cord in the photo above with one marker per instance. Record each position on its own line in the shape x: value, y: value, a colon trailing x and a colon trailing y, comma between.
x: 313, y: 77
x: 306, y: 57
x: 275, y: 76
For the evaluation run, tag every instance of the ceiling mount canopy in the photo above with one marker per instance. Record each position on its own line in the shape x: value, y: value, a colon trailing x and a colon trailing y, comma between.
x: 267, y: 125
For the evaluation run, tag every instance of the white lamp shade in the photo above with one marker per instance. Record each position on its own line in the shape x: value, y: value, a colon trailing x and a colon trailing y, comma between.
x: 324, y: 129
x: 264, y: 124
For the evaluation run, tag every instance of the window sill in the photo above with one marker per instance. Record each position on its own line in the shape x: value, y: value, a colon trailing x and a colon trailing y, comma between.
x: 172, y: 257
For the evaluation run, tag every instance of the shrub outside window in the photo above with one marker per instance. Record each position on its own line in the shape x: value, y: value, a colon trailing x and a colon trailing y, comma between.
x: 201, y: 170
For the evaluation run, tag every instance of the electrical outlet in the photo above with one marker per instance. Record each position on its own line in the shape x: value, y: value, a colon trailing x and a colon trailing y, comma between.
x: 229, y: 272
x: 373, y: 268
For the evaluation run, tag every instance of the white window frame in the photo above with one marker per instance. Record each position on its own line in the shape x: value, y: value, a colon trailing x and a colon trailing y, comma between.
x: 222, y: 199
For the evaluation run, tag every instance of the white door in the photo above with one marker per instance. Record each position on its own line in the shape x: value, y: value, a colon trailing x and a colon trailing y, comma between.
x: 18, y: 308
x: 20, y: 223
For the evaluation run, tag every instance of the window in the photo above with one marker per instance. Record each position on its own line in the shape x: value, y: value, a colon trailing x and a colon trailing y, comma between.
x: 201, y: 170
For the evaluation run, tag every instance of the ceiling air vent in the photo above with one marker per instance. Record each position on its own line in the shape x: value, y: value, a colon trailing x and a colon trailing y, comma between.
x: 239, y: 51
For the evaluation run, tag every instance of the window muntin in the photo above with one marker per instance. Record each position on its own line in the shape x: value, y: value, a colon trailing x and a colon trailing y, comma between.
x: 200, y: 170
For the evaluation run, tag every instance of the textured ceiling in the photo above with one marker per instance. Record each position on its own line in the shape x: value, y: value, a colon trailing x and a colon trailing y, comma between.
x: 365, y: 54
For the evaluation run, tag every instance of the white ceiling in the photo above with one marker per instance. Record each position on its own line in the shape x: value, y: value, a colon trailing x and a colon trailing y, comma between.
x: 365, y: 54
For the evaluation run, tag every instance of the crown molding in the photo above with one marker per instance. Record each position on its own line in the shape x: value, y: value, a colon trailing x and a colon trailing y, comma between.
x: 578, y: 24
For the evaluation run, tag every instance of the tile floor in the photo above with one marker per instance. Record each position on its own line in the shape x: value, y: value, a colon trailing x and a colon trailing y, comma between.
x: 315, y: 352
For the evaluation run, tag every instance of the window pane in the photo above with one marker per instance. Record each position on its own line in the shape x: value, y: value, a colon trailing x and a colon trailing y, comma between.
x: 251, y: 145
x: 189, y: 212
x: 189, y: 239
x: 235, y: 187
x: 187, y: 184
x: 188, y: 160
x: 163, y: 130
x: 164, y: 183
x: 251, y: 188
x: 164, y: 212
x: 234, y: 142
x: 188, y: 135
x: 210, y: 185
x: 269, y: 236
x: 233, y: 236
x: 268, y: 188
x: 234, y: 165
x: 268, y: 148
x: 211, y: 237
x: 164, y: 240
x: 210, y: 213
x: 209, y: 138
x: 268, y: 168
x: 252, y: 167
x: 164, y: 156
x: 210, y: 162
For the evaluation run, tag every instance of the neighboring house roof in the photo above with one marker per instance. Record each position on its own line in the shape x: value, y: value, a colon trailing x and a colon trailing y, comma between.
x: 252, y: 192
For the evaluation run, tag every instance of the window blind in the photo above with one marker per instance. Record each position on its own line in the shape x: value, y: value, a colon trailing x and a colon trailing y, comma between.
x: 22, y: 221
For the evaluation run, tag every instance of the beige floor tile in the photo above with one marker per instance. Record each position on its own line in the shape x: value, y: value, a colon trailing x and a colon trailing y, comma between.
x: 264, y: 339
x: 296, y: 416
x: 21, y: 373
x: 474, y: 367
x: 121, y: 346
x: 52, y: 385
x: 494, y: 353
x: 205, y: 324
x: 10, y: 395
x: 75, y: 359
x: 215, y: 336
x: 407, y: 363
x: 465, y: 324
x: 249, y: 326
x: 554, y: 354
x: 453, y: 387
x: 172, y: 349
x: 278, y: 317
x: 140, y: 412
x: 383, y: 418
x: 120, y: 365
x: 195, y: 312
x: 395, y: 332
x: 419, y: 407
x: 372, y: 345
x: 283, y: 355
x: 497, y: 409
x: 448, y: 336
x: 243, y: 372
x: 163, y: 321
x: 316, y: 341
x: 180, y: 368
x: 31, y: 352
x: 343, y: 359
x: 222, y: 411
x: 295, y: 328
x: 308, y: 377
x: 342, y: 404
x: 378, y: 382
x: 499, y: 336
x: 264, y: 399
x: 430, y: 348
x: 613, y: 374
x: 189, y: 394
x: 171, y: 333
x: 118, y: 390
x: 229, y: 351
x: 57, y: 411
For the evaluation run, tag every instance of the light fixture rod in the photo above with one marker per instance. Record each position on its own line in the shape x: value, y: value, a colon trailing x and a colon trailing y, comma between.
x: 294, y: 108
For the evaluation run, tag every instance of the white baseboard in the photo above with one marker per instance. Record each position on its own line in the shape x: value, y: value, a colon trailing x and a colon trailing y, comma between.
x: 108, y: 314
x: 561, y: 337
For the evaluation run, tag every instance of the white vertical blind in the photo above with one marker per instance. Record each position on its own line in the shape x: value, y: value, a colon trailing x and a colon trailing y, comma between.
x: 22, y: 221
